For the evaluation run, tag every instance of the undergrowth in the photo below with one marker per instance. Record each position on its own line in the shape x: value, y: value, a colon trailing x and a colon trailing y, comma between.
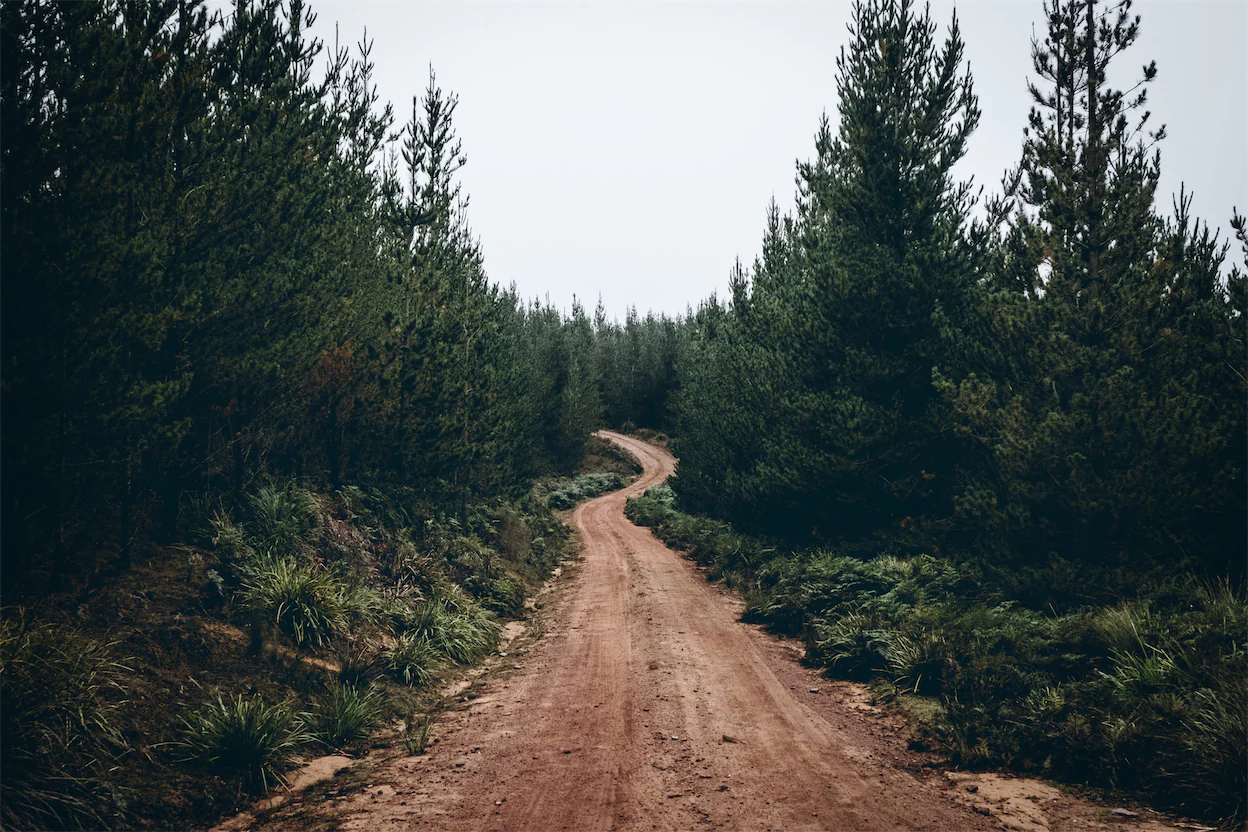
x: 58, y: 701
x: 289, y: 623
x: 566, y: 493
x: 346, y: 714
x: 1149, y: 694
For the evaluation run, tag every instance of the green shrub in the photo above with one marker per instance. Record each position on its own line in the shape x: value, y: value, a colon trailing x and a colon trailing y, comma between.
x: 567, y: 493
x: 346, y: 714
x: 231, y: 543
x: 412, y: 659
x: 304, y: 601
x: 362, y: 605
x: 1208, y: 772
x: 245, y: 737
x: 918, y: 663
x: 515, y: 539
x: 58, y: 694
x: 852, y: 646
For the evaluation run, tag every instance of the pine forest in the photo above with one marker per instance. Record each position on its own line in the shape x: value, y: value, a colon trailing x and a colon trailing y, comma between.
x: 280, y: 458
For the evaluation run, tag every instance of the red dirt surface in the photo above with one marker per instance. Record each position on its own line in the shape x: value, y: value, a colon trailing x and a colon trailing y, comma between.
x: 649, y: 705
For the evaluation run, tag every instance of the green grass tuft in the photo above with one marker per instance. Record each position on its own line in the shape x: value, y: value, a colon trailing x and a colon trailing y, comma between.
x: 456, y: 627
x: 346, y: 715
x: 412, y: 659
x: 281, y: 517
x: 304, y: 601
x: 245, y: 737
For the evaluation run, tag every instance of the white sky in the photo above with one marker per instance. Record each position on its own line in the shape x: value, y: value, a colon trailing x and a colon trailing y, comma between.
x: 629, y: 149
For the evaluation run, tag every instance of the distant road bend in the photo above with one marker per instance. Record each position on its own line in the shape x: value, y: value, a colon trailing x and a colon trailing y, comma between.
x: 647, y: 705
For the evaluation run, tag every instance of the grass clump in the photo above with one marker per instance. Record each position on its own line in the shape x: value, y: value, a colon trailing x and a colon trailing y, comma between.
x: 456, y: 627
x: 415, y: 735
x: 412, y: 659
x: 358, y: 662
x: 853, y: 645
x: 306, y: 602
x: 281, y: 517
x: 58, y: 699
x: 245, y: 737
x: 346, y: 714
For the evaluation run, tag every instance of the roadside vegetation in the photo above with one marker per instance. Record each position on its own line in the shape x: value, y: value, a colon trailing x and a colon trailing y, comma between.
x: 278, y: 455
x: 1144, y: 694
x: 302, y: 623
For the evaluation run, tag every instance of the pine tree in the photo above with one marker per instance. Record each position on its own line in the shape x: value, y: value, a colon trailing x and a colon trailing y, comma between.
x: 1103, y: 400
x: 881, y: 229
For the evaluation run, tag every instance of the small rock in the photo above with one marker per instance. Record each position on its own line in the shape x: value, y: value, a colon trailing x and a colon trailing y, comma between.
x: 972, y: 789
x: 723, y: 788
x: 654, y: 665
x: 729, y: 739
x: 1126, y: 813
x: 981, y: 809
x: 814, y: 690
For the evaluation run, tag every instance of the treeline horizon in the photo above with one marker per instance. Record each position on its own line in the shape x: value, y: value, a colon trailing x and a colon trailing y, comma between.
x: 256, y: 273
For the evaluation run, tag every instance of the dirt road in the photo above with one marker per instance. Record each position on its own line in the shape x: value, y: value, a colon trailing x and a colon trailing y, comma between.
x: 647, y: 705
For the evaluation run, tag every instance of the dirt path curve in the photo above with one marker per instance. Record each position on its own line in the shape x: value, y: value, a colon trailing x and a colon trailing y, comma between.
x: 647, y: 706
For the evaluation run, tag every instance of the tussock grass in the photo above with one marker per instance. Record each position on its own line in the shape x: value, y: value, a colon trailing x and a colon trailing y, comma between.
x: 346, y: 714
x: 281, y: 516
x: 304, y: 601
x: 245, y: 737
x: 456, y: 627
x: 415, y: 735
x: 412, y: 659
x: 359, y: 663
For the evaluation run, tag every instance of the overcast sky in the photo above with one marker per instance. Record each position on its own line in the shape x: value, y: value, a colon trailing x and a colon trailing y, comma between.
x: 629, y: 149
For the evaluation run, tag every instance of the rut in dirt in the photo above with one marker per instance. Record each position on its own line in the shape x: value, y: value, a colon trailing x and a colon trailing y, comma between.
x: 648, y: 705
